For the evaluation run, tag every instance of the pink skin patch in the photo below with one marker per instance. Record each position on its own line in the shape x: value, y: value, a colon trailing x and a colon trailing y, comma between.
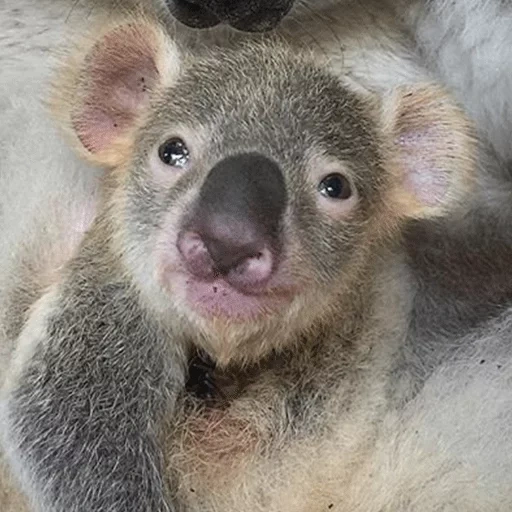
x: 219, y: 299
x: 424, y: 179
x: 211, y: 295
x: 120, y: 73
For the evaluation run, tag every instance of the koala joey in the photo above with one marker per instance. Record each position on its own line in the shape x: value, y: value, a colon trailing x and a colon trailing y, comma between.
x: 251, y: 209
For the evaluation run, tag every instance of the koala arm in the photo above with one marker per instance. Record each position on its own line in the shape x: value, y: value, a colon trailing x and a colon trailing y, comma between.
x: 82, y: 406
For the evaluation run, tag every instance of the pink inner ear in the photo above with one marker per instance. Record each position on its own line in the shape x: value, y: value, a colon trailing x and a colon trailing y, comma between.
x: 119, y: 74
x: 425, y: 179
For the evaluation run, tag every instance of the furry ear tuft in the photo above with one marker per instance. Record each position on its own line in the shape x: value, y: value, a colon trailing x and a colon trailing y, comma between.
x: 431, y: 151
x: 104, y: 94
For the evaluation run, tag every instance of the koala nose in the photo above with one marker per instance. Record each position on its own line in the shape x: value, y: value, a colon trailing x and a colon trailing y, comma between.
x: 244, y: 15
x: 192, y: 14
x: 234, y: 228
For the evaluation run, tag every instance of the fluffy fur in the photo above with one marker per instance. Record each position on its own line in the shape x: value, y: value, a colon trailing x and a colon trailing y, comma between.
x: 454, y: 342
x: 342, y: 410
x: 466, y: 44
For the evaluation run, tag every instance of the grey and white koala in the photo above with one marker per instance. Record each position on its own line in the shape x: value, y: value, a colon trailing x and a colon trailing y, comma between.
x: 467, y: 43
x: 252, y: 210
x: 377, y: 43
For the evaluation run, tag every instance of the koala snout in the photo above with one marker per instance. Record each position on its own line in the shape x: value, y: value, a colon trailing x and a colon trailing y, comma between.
x: 242, y: 263
x: 248, y: 16
x: 234, y: 231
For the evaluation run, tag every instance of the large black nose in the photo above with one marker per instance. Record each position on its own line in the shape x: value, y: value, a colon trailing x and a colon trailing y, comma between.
x: 237, y: 219
x: 244, y: 15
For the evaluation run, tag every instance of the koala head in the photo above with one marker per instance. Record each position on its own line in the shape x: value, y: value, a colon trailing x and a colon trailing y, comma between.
x: 253, y: 187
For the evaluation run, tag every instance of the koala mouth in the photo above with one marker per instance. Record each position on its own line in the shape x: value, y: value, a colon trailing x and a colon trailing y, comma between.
x: 219, y: 299
x: 229, y: 281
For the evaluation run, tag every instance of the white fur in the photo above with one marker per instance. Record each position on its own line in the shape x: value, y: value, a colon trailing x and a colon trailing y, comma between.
x: 46, y: 191
x: 468, y: 44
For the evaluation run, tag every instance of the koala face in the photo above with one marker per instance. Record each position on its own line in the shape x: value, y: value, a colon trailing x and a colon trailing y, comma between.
x: 251, y: 191
x: 253, y: 187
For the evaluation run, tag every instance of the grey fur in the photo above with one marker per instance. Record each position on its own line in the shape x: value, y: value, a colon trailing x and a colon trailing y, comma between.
x: 107, y: 360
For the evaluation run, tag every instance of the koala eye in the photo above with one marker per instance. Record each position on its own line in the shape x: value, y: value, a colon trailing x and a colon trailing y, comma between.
x: 335, y: 186
x: 174, y: 152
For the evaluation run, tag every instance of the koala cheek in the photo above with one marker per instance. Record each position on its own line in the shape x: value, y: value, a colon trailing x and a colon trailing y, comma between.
x: 333, y: 187
x: 338, y: 209
x: 162, y: 175
x: 166, y: 254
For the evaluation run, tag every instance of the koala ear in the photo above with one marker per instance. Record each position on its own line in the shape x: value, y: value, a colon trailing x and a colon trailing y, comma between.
x: 104, y: 94
x: 431, y: 151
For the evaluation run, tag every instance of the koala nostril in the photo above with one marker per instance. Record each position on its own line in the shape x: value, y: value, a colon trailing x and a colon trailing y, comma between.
x: 253, y: 271
x: 195, y: 254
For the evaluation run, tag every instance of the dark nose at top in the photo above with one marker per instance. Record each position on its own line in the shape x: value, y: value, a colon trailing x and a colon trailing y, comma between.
x: 245, y: 15
x: 239, y: 211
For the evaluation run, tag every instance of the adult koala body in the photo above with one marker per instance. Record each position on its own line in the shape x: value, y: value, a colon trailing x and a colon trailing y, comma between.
x: 254, y: 216
x: 466, y: 43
